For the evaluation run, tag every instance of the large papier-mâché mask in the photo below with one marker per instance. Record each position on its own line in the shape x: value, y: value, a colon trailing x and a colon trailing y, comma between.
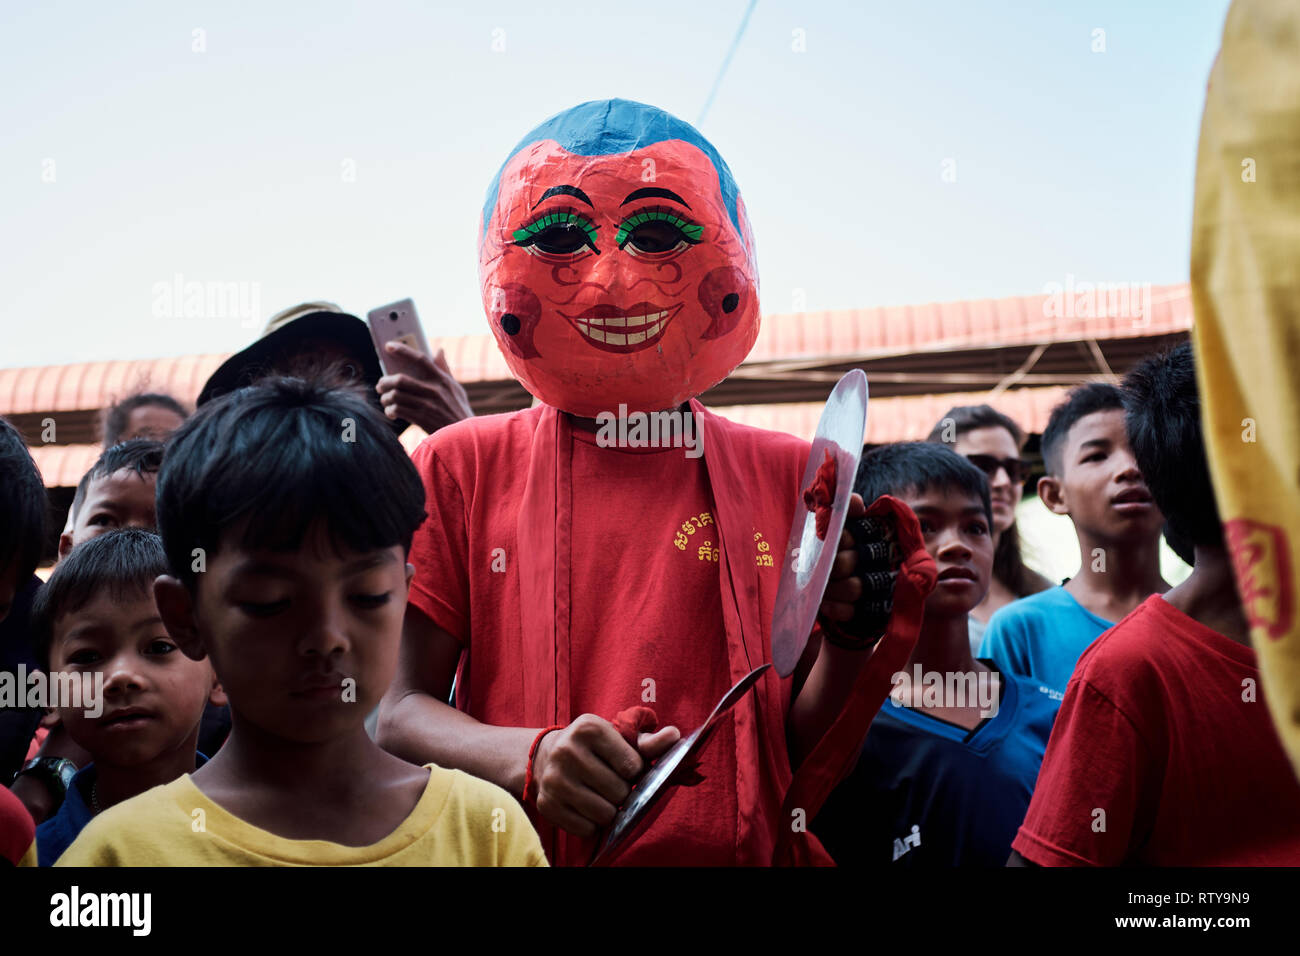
x: 616, y: 261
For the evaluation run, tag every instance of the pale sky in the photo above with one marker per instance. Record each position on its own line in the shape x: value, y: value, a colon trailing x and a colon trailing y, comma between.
x: 341, y: 151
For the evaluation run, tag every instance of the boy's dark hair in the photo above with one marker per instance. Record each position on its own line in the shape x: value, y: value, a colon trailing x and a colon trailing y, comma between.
x: 1008, y: 563
x: 277, y: 457
x: 122, y: 563
x: 1081, y: 401
x: 141, y: 455
x: 23, y: 505
x: 922, y: 466
x: 119, y: 416
x: 1163, y: 421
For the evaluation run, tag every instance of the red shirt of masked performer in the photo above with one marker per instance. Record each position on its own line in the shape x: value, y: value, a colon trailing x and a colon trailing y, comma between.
x: 615, y: 275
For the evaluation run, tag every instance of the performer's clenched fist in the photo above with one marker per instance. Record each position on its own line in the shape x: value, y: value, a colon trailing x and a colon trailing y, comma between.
x: 586, y: 770
x: 859, y: 595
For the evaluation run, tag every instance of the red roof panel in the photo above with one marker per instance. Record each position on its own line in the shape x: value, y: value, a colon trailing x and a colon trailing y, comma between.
x: 843, y: 335
x: 63, y: 465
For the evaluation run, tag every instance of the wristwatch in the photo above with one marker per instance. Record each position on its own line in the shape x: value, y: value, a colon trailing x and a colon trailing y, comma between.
x: 55, y: 772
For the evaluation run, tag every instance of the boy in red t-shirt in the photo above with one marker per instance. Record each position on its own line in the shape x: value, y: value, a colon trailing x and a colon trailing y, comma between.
x: 1163, y: 753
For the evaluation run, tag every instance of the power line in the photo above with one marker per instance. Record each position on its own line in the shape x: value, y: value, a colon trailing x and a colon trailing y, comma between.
x: 744, y: 22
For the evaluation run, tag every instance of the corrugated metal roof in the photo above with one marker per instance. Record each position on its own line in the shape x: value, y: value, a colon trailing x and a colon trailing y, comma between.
x: 894, y: 418
x: 980, y: 323
x: 844, y: 336
x: 90, y: 385
x: 63, y: 465
x: 907, y: 348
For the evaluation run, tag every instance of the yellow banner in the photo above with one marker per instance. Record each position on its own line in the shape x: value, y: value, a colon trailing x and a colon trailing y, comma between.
x: 1246, y: 296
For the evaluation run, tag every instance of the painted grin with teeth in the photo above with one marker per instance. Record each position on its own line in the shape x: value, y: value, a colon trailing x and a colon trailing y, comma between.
x: 618, y: 330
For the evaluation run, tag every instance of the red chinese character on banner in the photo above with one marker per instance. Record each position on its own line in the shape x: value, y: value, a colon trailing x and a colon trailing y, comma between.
x: 1261, y: 557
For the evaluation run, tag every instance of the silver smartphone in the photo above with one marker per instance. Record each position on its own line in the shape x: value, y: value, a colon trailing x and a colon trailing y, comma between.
x: 397, y: 322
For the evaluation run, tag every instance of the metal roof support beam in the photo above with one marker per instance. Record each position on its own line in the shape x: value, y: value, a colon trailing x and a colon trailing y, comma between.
x: 1021, y: 372
x: 1102, y: 365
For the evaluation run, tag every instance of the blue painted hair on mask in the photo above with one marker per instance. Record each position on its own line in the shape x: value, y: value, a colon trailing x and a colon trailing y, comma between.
x: 609, y: 127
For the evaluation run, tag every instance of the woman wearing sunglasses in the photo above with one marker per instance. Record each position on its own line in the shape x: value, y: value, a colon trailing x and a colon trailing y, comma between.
x: 991, y: 442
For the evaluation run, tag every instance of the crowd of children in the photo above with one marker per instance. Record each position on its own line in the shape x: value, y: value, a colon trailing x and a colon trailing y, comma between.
x: 271, y: 585
x: 239, y: 592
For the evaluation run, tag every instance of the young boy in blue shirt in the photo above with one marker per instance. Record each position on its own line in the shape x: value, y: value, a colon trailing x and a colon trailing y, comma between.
x: 1092, y: 477
x: 949, y: 763
x: 95, y: 621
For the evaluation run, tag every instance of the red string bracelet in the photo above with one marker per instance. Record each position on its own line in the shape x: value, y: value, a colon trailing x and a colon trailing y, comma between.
x: 530, y: 782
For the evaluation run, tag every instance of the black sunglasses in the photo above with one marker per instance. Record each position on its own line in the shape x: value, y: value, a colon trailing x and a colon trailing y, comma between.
x: 989, y: 465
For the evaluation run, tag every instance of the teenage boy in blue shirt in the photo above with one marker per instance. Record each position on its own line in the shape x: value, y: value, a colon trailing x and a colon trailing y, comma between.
x: 1092, y: 477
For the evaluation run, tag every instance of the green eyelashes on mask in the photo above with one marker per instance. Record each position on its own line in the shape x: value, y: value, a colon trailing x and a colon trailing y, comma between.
x: 657, y: 230
x: 558, y: 232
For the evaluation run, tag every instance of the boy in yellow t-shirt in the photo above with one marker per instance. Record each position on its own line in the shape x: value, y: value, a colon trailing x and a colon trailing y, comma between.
x: 287, y: 511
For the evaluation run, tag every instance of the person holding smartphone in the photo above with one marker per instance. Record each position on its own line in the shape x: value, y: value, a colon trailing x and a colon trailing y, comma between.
x: 315, y: 336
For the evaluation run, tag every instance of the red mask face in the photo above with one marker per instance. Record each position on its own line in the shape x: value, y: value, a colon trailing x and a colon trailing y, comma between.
x: 618, y: 279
